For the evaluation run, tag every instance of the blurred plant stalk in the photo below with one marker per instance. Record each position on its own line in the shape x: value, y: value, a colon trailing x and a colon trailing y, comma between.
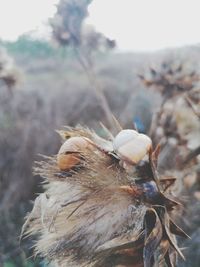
x: 69, y: 30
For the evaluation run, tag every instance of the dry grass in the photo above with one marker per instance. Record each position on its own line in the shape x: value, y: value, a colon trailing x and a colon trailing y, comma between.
x: 54, y: 93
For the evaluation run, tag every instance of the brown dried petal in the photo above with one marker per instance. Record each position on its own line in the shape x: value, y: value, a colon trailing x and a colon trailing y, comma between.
x: 175, y: 229
x: 164, y: 217
x: 119, y: 243
x: 153, y: 228
x: 168, y: 260
x: 163, y: 249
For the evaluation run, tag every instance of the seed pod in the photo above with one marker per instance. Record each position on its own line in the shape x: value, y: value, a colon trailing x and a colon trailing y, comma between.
x: 70, y: 152
x: 85, y: 219
x: 131, y: 146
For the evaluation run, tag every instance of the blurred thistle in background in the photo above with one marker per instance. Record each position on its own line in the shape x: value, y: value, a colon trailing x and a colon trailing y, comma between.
x: 9, y: 74
x: 176, y: 126
x: 69, y: 30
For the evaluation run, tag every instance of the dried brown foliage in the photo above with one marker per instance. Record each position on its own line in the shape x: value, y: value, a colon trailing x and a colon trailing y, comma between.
x: 100, y: 214
x: 42, y: 105
x: 177, y: 125
x: 176, y: 122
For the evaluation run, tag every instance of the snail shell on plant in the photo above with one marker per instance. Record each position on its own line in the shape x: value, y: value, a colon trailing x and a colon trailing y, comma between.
x: 131, y: 146
x: 69, y: 154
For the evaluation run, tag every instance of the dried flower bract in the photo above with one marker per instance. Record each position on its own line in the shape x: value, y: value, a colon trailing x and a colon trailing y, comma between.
x: 95, y: 213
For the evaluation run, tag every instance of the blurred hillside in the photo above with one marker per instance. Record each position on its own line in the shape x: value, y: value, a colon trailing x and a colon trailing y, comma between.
x: 53, y: 91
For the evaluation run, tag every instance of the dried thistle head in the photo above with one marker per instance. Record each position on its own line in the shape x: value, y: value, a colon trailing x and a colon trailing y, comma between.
x: 8, y: 72
x: 67, y: 22
x: 171, y: 79
x: 175, y: 125
x: 99, y: 211
x: 69, y: 29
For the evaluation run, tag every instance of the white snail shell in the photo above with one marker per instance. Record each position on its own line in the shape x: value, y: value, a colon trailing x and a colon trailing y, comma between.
x: 131, y: 146
x: 69, y: 153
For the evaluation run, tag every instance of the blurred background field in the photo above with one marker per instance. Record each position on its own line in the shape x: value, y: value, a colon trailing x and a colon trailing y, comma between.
x: 43, y: 87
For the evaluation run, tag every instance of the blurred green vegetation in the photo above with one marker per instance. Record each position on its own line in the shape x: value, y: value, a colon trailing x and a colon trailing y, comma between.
x: 21, y: 261
x: 24, y: 264
x: 35, y: 48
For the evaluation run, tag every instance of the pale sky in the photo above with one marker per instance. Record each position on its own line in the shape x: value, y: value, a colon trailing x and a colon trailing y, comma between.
x: 138, y: 25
